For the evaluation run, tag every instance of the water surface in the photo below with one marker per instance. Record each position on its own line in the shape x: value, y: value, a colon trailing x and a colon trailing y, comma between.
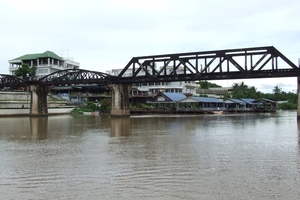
x: 236, y: 156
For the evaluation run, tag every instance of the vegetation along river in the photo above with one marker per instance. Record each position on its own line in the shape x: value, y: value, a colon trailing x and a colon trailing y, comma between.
x: 229, y: 156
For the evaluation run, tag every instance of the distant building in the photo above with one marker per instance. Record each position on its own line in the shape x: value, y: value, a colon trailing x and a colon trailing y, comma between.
x: 215, y: 92
x: 153, y: 88
x: 45, y: 63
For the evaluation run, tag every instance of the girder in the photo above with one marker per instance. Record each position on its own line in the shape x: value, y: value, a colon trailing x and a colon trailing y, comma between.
x: 75, y: 76
x: 243, y: 63
x: 11, y: 81
x: 256, y: 62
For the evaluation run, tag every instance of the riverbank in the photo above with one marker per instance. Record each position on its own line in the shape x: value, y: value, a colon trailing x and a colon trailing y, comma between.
x: 198, y: 111
x: 25, y: 111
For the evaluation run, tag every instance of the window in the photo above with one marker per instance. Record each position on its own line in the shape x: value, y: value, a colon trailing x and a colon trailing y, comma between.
x: 43, y: 71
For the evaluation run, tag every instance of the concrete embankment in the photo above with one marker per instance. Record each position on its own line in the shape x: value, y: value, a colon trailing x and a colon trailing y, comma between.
x: 25, y: 111
x: 22, y: 100
x: 18, y: 103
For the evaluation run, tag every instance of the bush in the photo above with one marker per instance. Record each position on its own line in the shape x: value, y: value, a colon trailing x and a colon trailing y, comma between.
x: 105, y: 105
x: 88, y: 107
x: 76, y: 111
x: 142, y: 106
x: 287, y: 106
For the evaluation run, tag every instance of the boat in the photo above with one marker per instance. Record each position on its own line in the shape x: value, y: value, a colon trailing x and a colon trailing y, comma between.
x: 215, y: 112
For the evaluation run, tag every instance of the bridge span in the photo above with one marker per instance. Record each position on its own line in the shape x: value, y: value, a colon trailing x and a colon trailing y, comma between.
x: 242, y: 63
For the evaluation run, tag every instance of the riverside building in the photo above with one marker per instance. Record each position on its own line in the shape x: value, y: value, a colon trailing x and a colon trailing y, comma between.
x: 45, y: 63
x: 153, y: 88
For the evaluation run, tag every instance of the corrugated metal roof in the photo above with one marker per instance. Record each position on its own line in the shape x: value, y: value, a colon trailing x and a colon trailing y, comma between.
x: 208, y: 99
x: 237, y: 101
x: 208, y: 91
x: 174, y: 96
x: 248, y: 101
x: 263, y: 99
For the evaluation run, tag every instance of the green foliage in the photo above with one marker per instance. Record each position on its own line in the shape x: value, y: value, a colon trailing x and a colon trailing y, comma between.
x: 204, y: 84
x: 290, y: 97
x: 240, y: 90
x: 87, y: 107
x: 207, y: 85
x: 143, y: 106
x: 24, y: 70
x: 287, y: 106
x: 226, y: 96
x: 243, y: 91
x: 105, y: 105
x: 76, y: 111
x: 277, y: 92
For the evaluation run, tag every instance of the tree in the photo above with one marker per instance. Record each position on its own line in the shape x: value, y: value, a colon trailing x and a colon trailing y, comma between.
x: 277, y: 92
x: 206, y: 85
x: 239, y: 90
x: 252, y: 93
x: 243, y: 91
x: 24, y: 70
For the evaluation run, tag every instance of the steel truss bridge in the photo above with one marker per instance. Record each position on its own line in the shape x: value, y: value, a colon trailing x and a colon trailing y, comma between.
x: 242, y: 63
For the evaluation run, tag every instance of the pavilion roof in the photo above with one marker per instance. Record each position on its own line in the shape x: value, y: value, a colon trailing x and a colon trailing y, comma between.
x: 46, y: 54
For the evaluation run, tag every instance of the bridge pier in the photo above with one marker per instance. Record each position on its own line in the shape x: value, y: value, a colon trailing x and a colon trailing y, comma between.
x: 298, y: 92
x: 119, y: 100
x: 38, y: 103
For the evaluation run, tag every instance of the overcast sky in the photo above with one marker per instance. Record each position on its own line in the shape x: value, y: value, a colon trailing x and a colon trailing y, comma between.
x: 105, y: 34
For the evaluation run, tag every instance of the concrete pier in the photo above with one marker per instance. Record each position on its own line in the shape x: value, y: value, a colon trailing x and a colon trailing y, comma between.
x: 38, y: 104
x: 298, y: 92
x: 120, y: 100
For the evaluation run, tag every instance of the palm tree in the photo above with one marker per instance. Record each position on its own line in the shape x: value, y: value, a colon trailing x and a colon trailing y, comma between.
x: 252, y: 93
x: 239, y: 90
x: 277, y: 92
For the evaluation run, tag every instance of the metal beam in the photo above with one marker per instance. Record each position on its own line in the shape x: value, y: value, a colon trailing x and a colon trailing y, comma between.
x: 256, y: 62
x: 243, y: 63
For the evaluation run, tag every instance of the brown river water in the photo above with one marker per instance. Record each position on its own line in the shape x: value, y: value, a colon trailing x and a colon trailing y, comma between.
x: 229, y: 156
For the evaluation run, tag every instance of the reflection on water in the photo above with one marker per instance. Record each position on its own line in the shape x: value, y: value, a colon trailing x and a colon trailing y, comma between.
x: 237, y: 156
x: 39, y: 127
x: 120, y: 126
x: 298, y: 125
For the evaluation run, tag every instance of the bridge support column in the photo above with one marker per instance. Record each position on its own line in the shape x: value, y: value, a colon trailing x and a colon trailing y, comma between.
x: 38, y: 103
x: 298, y: 93
x: 119, y: 100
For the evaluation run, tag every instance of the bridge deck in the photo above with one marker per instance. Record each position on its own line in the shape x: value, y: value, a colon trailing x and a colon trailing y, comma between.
x: 243, y: 63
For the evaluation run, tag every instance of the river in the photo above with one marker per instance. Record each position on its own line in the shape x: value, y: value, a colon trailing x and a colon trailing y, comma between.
x: 229, y: 156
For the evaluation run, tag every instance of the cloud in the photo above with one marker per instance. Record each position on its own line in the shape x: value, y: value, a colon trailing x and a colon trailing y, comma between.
x: 106, y: 34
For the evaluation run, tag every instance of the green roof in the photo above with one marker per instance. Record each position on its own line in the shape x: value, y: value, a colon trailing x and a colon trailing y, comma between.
x: 46, y: 54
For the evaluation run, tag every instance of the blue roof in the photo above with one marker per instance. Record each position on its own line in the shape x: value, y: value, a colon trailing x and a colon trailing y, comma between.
x: 208, y: 99
x: 263, y: 99
x: 237, y: 101
x: 248, y: 101
x: 174, y: 96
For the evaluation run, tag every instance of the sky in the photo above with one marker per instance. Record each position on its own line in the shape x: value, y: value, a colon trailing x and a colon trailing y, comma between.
x: 105, y: 34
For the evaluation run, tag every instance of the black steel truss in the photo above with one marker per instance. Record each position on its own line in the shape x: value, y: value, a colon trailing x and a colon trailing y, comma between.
x: 257, y: 62
x: 75, y: 76
x: 11, y: 81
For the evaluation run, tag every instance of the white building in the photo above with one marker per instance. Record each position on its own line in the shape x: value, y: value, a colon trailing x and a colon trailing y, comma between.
x: 45, y: 63
x: 152, y: 88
